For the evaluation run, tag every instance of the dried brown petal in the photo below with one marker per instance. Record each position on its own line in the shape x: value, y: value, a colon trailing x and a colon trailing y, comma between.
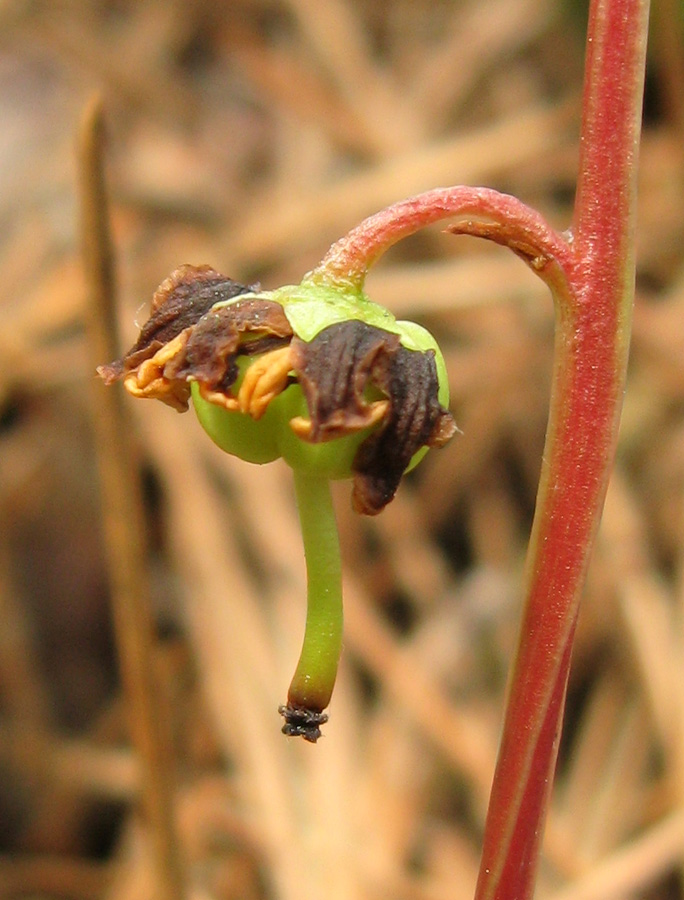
x: 338, y: 370
x: 334, y: 370
x: 416, y: 419
x: 209, y: 357
x: 179, y: 302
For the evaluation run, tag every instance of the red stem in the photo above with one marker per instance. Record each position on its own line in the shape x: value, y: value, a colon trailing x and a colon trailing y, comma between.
x: 589, y: 378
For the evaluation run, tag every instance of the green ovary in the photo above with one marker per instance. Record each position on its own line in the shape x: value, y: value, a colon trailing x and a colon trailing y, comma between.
x: 237, y: 433
x: 271, y: 436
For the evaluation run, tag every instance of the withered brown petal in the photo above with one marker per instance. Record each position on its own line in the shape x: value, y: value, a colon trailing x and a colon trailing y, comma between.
x: 179, y: 302
x: 210, y: 353
x: 416, y: 419
x: 334, y: 369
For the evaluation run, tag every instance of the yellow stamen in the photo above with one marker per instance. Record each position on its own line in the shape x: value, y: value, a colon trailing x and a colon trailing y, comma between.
x: 376, y: 412
x: 148, y: 379
x: 264, y: 380
x: 227, y: 401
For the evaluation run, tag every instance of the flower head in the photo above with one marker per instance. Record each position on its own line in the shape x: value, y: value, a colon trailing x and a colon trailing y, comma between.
x: 330, y: 383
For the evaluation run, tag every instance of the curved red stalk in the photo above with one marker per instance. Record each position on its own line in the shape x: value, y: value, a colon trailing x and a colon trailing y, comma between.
x: 511, y: 222
x: 591, y: 275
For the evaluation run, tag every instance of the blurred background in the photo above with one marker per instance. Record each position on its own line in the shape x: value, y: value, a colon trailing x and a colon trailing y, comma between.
x: 249, y: 135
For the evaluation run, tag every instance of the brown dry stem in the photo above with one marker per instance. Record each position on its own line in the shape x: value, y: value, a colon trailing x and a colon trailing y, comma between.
x: 123, y: 522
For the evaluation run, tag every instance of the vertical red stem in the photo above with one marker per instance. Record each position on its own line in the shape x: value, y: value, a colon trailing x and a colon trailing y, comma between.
x: 588, y: 383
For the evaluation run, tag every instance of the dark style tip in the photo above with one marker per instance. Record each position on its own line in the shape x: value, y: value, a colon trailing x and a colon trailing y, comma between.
x: 301, y: 722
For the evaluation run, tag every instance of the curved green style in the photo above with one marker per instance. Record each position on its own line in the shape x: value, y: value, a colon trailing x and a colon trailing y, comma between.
x: 314, y: 678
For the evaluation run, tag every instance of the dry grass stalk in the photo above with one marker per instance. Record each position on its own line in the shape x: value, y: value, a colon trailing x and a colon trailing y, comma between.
x: 122, y: 512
